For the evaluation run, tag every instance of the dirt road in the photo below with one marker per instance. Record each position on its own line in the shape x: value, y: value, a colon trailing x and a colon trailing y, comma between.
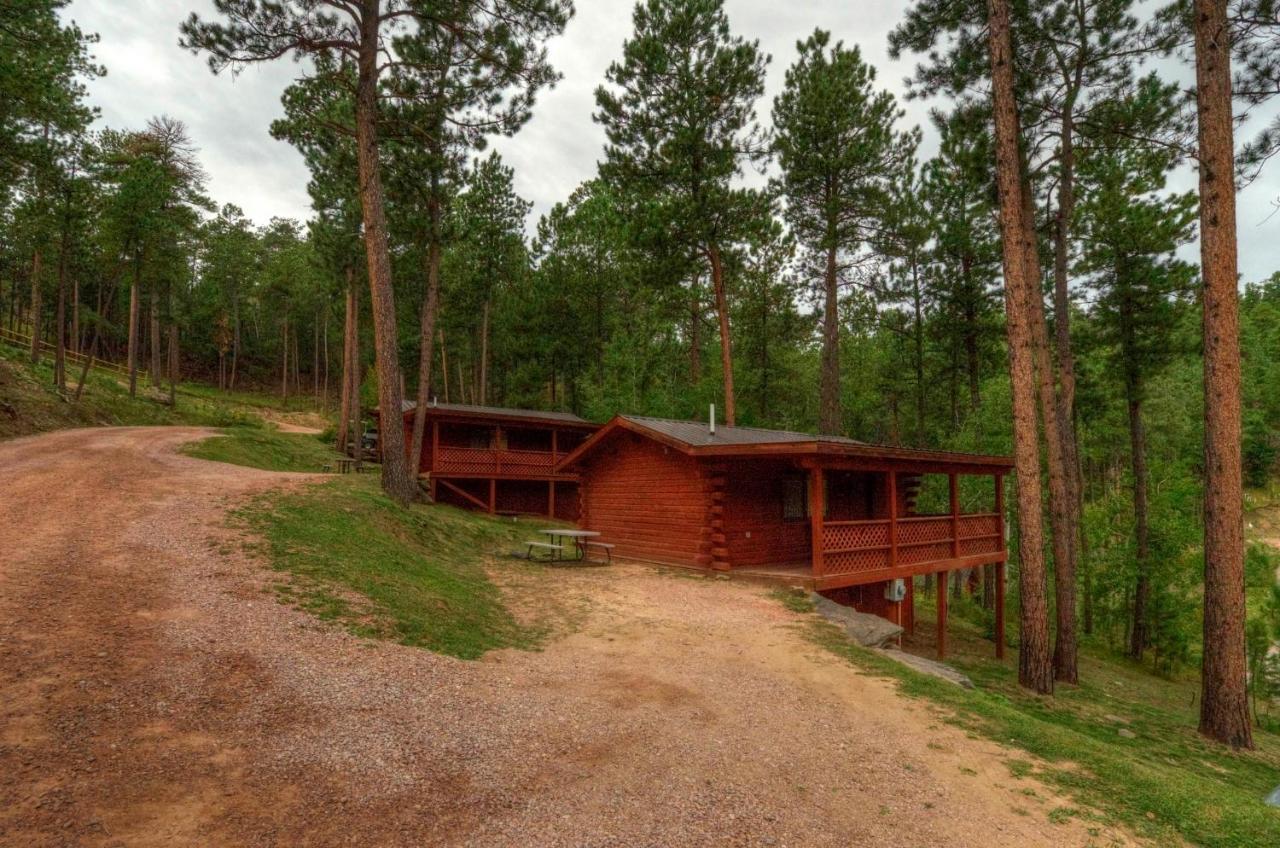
x: 152, y: 692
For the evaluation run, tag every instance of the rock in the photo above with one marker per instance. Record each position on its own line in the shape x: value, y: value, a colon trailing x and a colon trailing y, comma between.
x: 1115, y: 719
x: 926, y: 666
x: 1273, y: 800
x: 1127, y: 733
x: 870, y: 631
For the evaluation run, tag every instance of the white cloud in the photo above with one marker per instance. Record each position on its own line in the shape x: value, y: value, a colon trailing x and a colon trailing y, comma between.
x: 558, y: 149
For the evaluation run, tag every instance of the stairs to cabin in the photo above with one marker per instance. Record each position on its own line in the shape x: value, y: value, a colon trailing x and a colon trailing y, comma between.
x: 909, y: 486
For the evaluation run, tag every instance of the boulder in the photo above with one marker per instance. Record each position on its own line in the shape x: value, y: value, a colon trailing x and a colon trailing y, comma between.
x: 868, y: 630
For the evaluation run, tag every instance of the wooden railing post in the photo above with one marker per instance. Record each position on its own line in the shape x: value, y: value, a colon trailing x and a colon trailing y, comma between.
x: 435, y: 447
x: 817, y: 511
x: 893, y: 519
x: 955, y: 516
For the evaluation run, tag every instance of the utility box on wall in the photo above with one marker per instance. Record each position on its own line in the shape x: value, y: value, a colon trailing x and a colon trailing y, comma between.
x: 895, y: 591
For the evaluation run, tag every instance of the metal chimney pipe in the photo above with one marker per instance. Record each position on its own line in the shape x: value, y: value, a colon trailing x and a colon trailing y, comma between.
x: 713, y: 419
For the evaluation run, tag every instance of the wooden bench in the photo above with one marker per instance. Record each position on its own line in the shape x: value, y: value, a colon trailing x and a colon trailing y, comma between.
x: 588, y: 544
x: 553, y: 551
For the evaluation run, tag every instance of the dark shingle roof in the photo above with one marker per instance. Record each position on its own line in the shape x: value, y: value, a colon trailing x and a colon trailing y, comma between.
x: 697, y: 433
x: 498, y: 412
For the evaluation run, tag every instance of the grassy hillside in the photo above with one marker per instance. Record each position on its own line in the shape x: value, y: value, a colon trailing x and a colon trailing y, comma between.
x: 1123, y: 742
x: 416, y: 576
x: 266, y: 448
x: 29, y: 404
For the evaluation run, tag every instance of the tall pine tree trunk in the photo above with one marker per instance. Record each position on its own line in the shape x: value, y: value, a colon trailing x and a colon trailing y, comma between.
x: 1224, y: 707
x: 1137, y: 463
x: 1061, y: 508
x: 483, y: 381
x: 153, y: 333
x: 726, y: 347
x: 348, y: 345
x: 1035, y: 662
x: 60, y: 320
x: 235, y: 339
x: 430, y: 308
x: 917, y: 300
x: 284, y: 362
x: 173, y: 363
x: 134, y: 307
x: 829, y: 418
x: 396, y: 479
x: 37, y: 305
x: 695, y: 337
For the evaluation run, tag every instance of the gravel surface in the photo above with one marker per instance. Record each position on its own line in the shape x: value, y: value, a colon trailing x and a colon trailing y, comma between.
x: 152, y: 692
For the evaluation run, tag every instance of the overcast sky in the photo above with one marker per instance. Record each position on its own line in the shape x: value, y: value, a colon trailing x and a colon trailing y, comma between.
x: 229, y: 116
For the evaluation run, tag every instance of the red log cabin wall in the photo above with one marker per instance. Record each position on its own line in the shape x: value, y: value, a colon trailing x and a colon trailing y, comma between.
x: 756, y: 530
x: 648, y: 500
x: 759, y: 528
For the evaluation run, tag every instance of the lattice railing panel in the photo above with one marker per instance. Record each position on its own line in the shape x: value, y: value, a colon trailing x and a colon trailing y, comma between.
x: 842, y: 537
x: 979, y: 525
x: 926, y: 530
x: 481, y: 461
x: 854, y: 561
x: 972, y: 547
x: 924, y: 553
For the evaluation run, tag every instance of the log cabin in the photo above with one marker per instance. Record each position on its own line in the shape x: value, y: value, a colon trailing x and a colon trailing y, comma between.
x: 502, y: 461
x: 838, y: 516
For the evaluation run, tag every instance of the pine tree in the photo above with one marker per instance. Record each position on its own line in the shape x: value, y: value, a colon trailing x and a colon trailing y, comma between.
x: 679, y: 113
x: 840, y: 152
x: 1224, y: 705
x: 358, y: 36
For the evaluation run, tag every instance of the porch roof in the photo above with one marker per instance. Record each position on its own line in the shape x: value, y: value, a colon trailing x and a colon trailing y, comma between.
x: 482, y: 414
x: 696, y: 438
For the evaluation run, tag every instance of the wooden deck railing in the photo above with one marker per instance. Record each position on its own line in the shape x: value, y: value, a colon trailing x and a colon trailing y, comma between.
x: 495, y: 463
x: 852, y: 547
x: 75, y: 359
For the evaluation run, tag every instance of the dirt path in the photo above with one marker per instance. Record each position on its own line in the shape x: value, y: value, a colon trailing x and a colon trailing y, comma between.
x: 153, y: 693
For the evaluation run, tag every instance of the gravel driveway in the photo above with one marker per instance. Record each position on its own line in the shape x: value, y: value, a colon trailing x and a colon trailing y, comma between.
x: 152, y: 693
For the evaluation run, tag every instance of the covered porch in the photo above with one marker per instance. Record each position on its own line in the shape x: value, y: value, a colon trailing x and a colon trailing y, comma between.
x: 871, y: 525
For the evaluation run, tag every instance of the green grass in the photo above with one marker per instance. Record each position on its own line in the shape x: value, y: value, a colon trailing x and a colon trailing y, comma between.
x: 1166, y: 782
x: 415, y: 576
x: 29, y: 403
x: 265, y: 448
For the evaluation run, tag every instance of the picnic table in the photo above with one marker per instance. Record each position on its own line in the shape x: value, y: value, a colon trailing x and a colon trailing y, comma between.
x: 582, y: 539
x: 346, y: 465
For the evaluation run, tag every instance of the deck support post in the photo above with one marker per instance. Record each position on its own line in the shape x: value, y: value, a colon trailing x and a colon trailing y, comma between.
x: 999, y: 611
x: 551, y: 498
x: 493, y: 495
x: 942, y: 614
x: 911, y: 606
x: 817, y: 513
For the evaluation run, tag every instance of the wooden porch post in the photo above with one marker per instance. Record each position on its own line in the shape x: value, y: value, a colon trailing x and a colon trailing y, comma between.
x: 942, y: 614
x: 893, y: 519
x: 955, y: 515
x: 817, y: 510
x: 435, y: 446
x: 1000, y: 568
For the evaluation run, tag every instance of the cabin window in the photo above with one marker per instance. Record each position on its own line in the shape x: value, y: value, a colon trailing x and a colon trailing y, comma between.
x: 795, y: 499
x: 481, y: 439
